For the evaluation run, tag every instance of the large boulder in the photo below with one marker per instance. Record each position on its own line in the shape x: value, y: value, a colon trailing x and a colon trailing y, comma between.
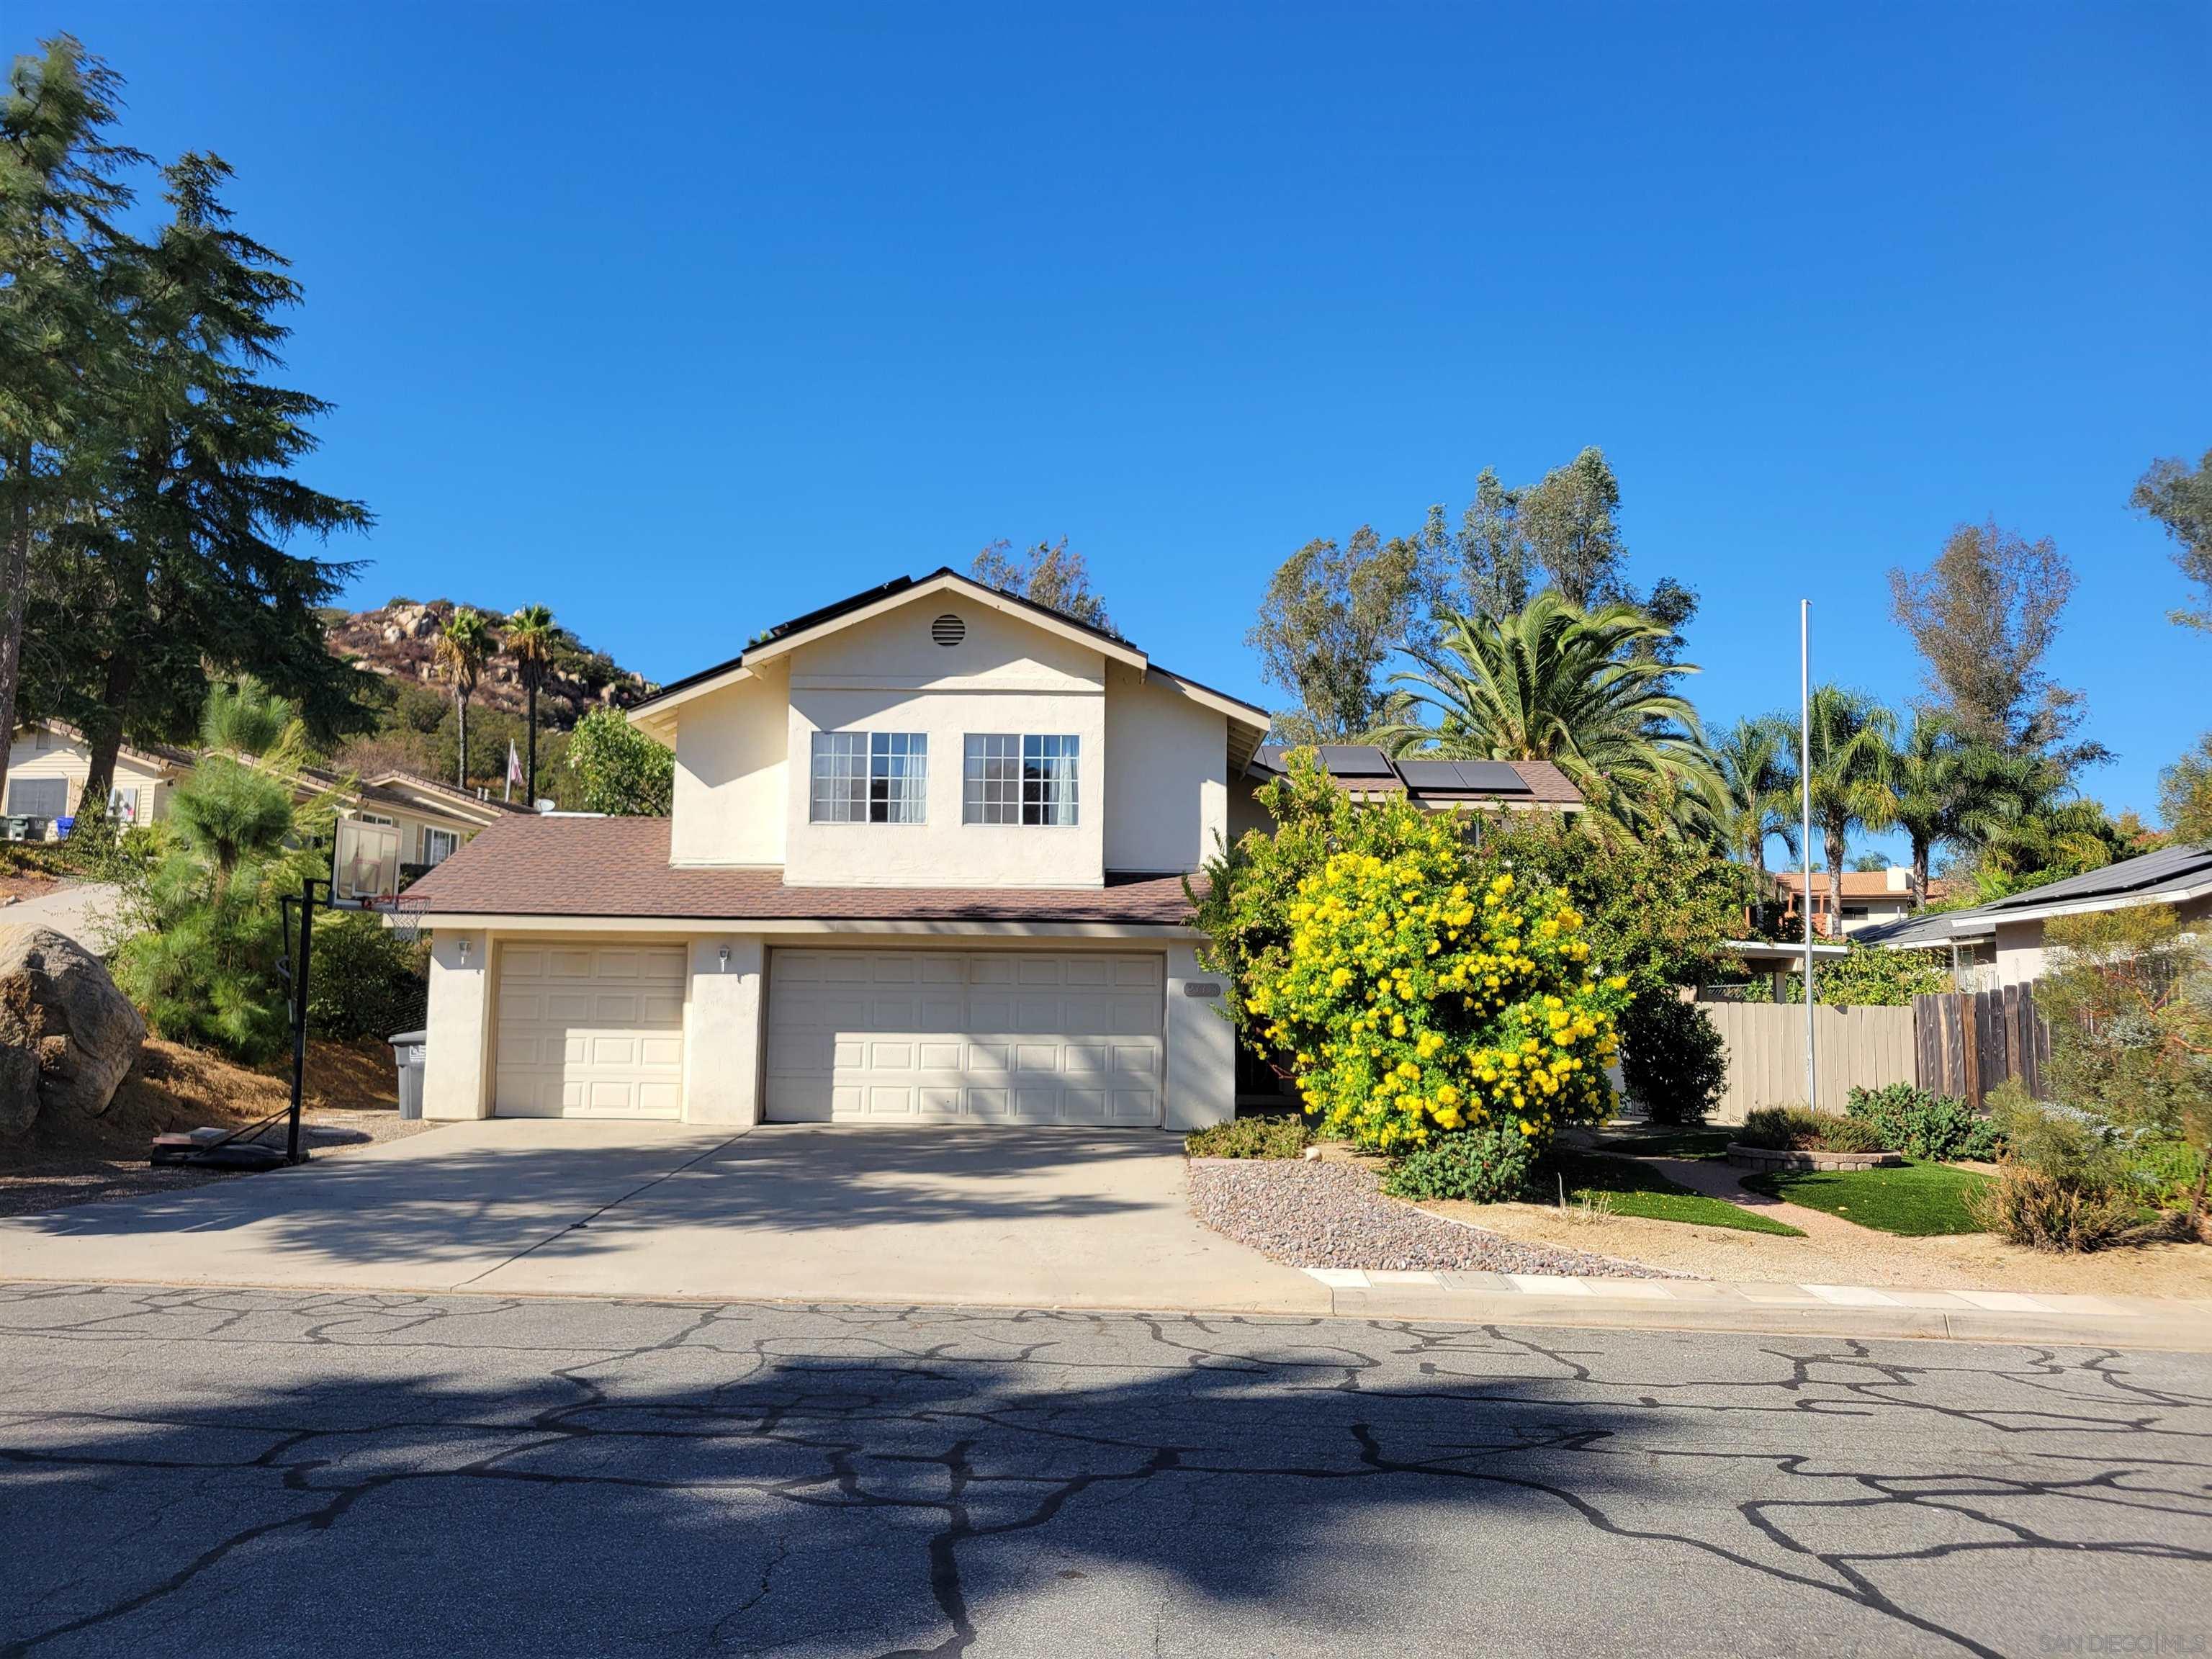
x: 68, y: 1038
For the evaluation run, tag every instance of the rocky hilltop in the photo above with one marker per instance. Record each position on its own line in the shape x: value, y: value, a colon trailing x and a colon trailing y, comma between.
x: 399, y: 640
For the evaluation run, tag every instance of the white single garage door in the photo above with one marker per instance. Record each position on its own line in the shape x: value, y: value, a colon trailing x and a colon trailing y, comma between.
x: 971, y: 1036
x: 590, y: 1030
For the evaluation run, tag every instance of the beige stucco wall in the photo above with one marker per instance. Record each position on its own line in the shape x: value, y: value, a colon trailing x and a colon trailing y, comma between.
x: 37, y: 753
x: 888, y: 675
x: 722, y: 1030
x: 1201, y: 1045
x: 1245, y: 813
x: 1167, y: 786
x: 2019, y: 953
x: 456, y: 1074
x: 732, y: 794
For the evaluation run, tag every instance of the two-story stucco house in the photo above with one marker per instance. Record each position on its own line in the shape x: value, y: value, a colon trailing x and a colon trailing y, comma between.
x: 925, y: 863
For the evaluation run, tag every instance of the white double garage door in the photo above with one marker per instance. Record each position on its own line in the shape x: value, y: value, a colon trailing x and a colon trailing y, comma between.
x: 851, y: 1036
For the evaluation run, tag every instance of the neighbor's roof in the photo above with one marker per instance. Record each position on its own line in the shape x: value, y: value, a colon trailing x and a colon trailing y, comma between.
x: 1926, y: 932
x: 785, y: 636
x: 161, y: 756
x: 618, y: 867
x: 1857, y: 884
x: 1365, y: 768
x: 2170, y: 872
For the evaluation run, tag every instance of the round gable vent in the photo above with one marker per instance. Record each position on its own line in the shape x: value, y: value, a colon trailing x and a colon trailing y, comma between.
x: 948, y: 629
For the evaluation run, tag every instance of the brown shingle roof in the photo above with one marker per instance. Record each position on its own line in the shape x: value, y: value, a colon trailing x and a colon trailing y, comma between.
x: 558, y: 867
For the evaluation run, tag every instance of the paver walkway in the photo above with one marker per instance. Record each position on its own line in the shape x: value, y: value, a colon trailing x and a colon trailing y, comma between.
x: 1725, y: 1182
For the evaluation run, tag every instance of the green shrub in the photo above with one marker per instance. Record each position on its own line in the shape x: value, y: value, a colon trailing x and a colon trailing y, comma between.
x: 1672, y: 1059
x: 2061, y: 1142
x: 1911, y: 1121
x: 1795, y: 1129
x: 363, y: 979
x: 1278, y: 1135
x: 2053, y: 1212
x: 1483, y: 1165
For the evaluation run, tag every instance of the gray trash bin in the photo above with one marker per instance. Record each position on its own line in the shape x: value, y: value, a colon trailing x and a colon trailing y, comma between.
x: 407, y: 1051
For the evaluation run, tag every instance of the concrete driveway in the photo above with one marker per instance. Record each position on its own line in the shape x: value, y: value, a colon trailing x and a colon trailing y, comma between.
x: 998, y: 1217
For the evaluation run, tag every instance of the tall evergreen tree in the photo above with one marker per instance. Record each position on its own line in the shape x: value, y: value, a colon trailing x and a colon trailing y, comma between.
x: 1050, y: 574
x: 185, y: 557
x: 58, y: 196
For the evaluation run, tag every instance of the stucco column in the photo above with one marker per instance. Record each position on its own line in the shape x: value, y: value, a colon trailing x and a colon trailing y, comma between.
x: 722, y: 1030
x: 1202, y: 1046
x: 455, y: 1071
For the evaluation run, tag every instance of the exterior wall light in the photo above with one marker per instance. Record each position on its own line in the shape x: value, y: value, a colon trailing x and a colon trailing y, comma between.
x: 724, y: 952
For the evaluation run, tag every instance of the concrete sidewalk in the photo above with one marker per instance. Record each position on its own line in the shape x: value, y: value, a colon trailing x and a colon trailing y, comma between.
x: 1702, y: 1304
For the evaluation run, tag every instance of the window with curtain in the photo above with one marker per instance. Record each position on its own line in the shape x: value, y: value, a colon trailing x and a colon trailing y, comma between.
x: 1019, y: 778
x: 869, y: 777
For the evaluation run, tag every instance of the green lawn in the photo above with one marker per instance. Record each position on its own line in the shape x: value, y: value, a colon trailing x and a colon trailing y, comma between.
x: 1670, y: 1143
x: 1632, y: 1189
x: 1913, y: 1200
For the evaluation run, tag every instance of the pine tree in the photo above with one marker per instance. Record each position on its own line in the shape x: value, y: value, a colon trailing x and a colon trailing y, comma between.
x: 58, y: 197
x: 185, y: 559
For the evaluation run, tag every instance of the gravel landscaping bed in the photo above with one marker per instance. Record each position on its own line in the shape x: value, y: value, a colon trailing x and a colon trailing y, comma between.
x: 1330, y: 1214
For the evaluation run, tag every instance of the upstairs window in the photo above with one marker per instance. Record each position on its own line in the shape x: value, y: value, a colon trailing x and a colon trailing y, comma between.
x: 869, y: 777
x: 1019, y: 779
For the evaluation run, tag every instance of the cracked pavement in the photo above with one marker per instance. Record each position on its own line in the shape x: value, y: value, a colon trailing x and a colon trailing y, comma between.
x: 248, y: 1472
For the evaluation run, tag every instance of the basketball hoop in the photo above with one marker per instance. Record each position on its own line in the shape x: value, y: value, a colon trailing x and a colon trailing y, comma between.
x: 405, y: 924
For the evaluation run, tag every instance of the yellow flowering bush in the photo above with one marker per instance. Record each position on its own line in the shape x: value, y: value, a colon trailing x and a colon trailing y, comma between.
x: 1423, y: 991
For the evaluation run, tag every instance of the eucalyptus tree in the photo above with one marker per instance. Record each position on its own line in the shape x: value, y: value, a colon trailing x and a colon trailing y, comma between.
x: 531, y: 640
x: 1555, y: 682
x: 1332, y: 616
x: 1757, y: 759
x: 464, y: 644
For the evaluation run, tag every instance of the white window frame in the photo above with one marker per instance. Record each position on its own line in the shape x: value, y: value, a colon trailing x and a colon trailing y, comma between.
x: 868, y: 777
x: 373, y: 818
x: 452, y: 838
x: 122, y: 803
x: 1024, y: 780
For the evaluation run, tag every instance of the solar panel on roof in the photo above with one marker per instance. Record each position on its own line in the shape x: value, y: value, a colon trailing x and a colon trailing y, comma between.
x: 1354, y: 760
x: 1493, y: 777
x: 1462, y: 777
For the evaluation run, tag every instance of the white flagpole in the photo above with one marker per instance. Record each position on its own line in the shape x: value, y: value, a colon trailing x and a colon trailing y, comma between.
x: 1805, y: 802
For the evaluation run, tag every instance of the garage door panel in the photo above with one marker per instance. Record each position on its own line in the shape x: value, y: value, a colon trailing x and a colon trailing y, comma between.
x: 983, y: 1036
x: 589, y: 1030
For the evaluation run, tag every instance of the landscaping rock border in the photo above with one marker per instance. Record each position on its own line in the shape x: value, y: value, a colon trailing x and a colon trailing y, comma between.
x: 1767, y: 1158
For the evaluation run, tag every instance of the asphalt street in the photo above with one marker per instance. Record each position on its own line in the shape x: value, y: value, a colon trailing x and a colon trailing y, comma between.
x: 242, y: 1472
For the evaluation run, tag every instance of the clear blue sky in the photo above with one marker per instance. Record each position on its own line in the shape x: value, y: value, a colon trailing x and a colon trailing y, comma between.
x: 681, y: 319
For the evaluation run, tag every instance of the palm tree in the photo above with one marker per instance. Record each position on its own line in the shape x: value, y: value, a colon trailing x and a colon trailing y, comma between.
x: 1555, y: 682
x: 1758, y: 765
x: 1851, y: 777
x: 531, y: 638
x: 1952, y: 789
x: 464, y: 644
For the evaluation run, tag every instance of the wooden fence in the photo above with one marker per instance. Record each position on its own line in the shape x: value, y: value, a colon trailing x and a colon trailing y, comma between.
x: 1859, y: 1048
x: 1966, y: 1042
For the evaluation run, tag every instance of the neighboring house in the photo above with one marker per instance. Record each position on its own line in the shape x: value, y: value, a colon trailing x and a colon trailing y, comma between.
x: 2002, y: 943
x: 925, y: 863
x: 48, y: 762
x: 1870, y: 898
x: 434, y: 820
